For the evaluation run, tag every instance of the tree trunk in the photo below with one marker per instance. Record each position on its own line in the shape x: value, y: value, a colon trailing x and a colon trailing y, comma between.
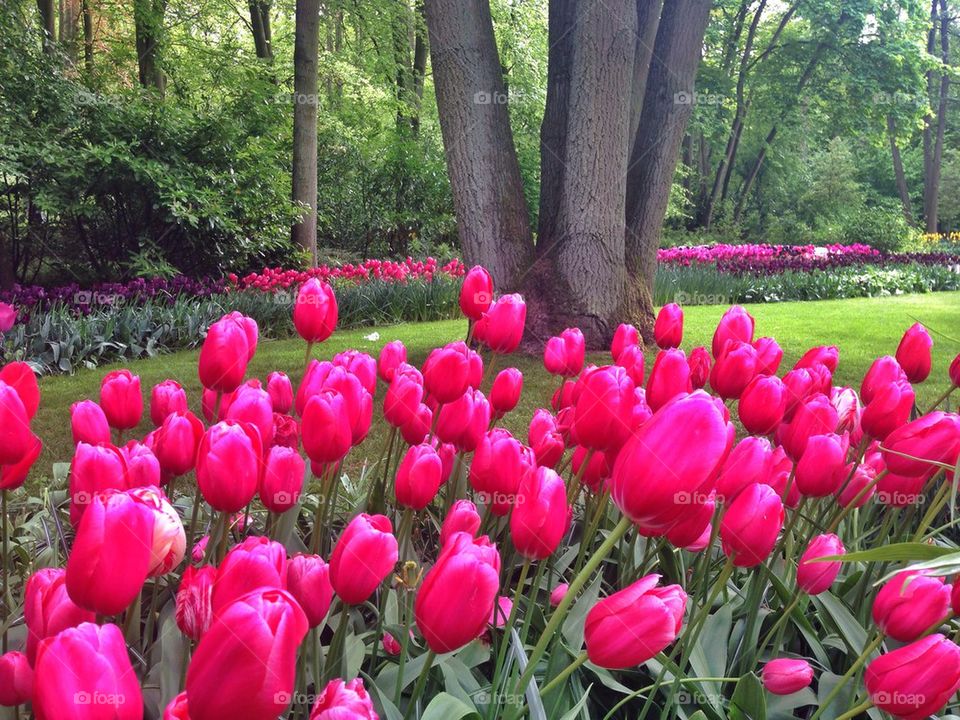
x: 148, y: 25
x: 492, y: 217
x: 663, y: 122
x: 306, y: 46
x: 579, y: 278
x: 69, y: 22
x: 898, y: 174
x: 933, y: 135
x: 48, y: 23
x: 648, y: 20
x: 420, y: 55
x: 88, y: 39
x: 260, y: 25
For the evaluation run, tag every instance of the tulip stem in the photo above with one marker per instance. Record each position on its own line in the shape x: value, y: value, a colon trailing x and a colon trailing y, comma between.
x: 192, y: 537
x: 505, y: 639
x: 857, y: 664
x: 781, y: 620
x: 224, y: 537
x: 550, y: 631
x: 306, y: 357
x: 939, y: 500
x: 404, y: 642
x: 421, y: 683
x: 853, y: 712
x: 564, y: 674
x: 6, y: 558
x: 941, y: 399
x: 334, y: 660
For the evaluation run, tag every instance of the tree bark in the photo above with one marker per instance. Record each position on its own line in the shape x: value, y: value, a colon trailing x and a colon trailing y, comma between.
x: 648, y: 20
x: 306, y: 46
x: 492, y: 217
x: 88, y: 38
x: 663, y: 122
x: 148, y: 25
x: 69, y: 22
x: 898, y: 174
x: 260, y: 25
x: 935, y: 125
x: 48, y: 23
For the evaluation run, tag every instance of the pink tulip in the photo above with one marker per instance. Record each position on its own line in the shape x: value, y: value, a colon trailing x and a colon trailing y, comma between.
x: 545, y: 439
x: 283, y: 477
x: 750, y: 461
x: 16, y: 679
x: 699, y: 363
x: 917, y: 680
x: 736, y: 324
x: 751, y: 524
x: 603, y: 408
x: 16, y: 439
x: 669, y: 377
x: 823, y: 468
x: 564, y: 354
x: 169, y: 539
x: 392, y: 355
x: 165, y: 398
x: 419, y: 477
x: 888, y: 409
x: 88, y: 423
x: 735, y: 367
x: 476, y: 293
x: 668, y: 328
x: 501, y: 327
x: 447, y: 372
x: 121, y: 400
x: 463, y: 422
x: 558, y: 593
x: 229, y: 465
x: 933, y: 438
x: 763, y: 404
x: 280, y: 390
x: 315, y: 311
x: 343, y: 701
x: 913, y: 353
x: 226, y: 351
x: 816, y: 577
x: 21, y: 377
x: 194, y: 609
x: 364, y: 556
x: 541, y: 514
x: 177, y: 442
x: 505, y: 391
x: 909, y: 604
x: 308, y: 580
x: 8, y: 317
x: 769, y: 355
x: 624, y: 336
x: 94, y: 469
x: 463, y: 517
x: 253, y: 405
x: 257, y: 562
x: 15, y: 475
x: 785, y: 676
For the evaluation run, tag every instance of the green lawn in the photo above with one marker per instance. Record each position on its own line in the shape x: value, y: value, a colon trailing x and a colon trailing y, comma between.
x: 862, y: 328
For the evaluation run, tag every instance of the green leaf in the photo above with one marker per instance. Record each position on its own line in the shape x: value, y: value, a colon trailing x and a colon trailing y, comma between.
x: 575, y: 710
x: 897, y: 552
x: 850, y: 630
x: 748, y: 701
x: 709, y: 656
x: 446, y: 707
x: 577, y: 616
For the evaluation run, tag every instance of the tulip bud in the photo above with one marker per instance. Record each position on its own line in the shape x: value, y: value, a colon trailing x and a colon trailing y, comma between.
x: 462, y: 517
x: 750, y: 461
x: 631, y: 360
x: 165, y: 398
x: 632, y: 625
x: 598, y: 470
x: 85, y: 672
x: 177, y: 442
x: 14, y: 476
x: 751, y: 524
x: 228, y: 677
x: 888, y: 409
x: 603, y: 408
x: 343, y: 701
x: 564, y: 354
x: 112, y: 554
x: 308, y: 580
x: 463, y: 422
x: 21, y: 377
x: 917, y: 680
x: 769, y: 355
x: 404, y: 396
x: 763, y: 404
x: 669, y: 377
x: 545, y: 439
x: 735, y: 367
x: 624, y: 336
x: 169, y: 539
x: 194, y: 610
x: 558, y: 594
x: 360, y: 365
x: 390, y: 645
x: 16, y: 440
x: 416, y: 429
x: 476, y: 293
x: 736, y: 324
x: 253, y: 405
x: 540, y: 515
x: 447, y: 372
x: 884, y: 371
x: 954, y: 371
x: 280, y: 390
x: 48, y: 609
x: 505, y: 391
x: 699, y: 363
x: 913, y: 353
x: 94, y: 469
x: 225, y: 353
x: 121, y: 400
x: 363, y: 557
x: 16, y: 679
x: 257, y: 562
x: 816, y: 577
x: 823, y: 468
x: 814, y: 416
x: 909, y: 604
x: 88, y: 423
x: 178, y: 708
x: 143, y: 468
x: 785, y: 676
x: 456, y: 600
x: 500, y: 328
x: 933, y: 438
x: 283, y: 478
x: 419, y: 477
x: 668, y: 328
x: 392, y: 355
x: 228, y: 465
x: 315, y: 311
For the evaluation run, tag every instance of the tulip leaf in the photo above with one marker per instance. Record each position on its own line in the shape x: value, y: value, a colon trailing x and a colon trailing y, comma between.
x: 709, y: 656
x: 852, y: 633
x: 781, y: 707
x: 941, y: 566
x: 445, y: 706
x: 843, y: 700
x: 895, y: 552
x: 748, y: 701
x: 576, y: 709
x: 577, y: 616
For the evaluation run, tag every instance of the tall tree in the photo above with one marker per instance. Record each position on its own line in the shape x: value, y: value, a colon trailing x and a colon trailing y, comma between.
x: 305, y: 48
x: 148, y: 26
x: 261, y: 27
x: 48, y: 23
x: 935, y: 125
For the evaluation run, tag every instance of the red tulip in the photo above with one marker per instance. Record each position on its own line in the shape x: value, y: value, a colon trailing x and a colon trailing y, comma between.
x: 178, y: 708
x: 499, y: 464
x: 598, y: 470
x: 16, y: 679
x: 954, y: 371
x: 736, y: 324
x: 85, y: 673
x: 564, y: 354
x: 827, y: 355
x: 909, y: 604
x: 462, y: 517
x: 360, y: 365
x: 169, y: 539
x: 8, y: 317
x: 308, y: 579
x: 545, y: 439
x: 632, y: 625
x: 823, y: 468
x: 769, y: 355
x: 20, y: 376
x: 165, y: 398
x: 751, y: 524
x: 121, y: 400
x: 735, y: 367
x: 286, y: 432
x: 343, y: 701
x: 253, y: 405
x: 668, y: 328
x: 228, y: 465
x: 463, y: 422
x: 699, y: 363
x: 901, y: 491
x: 16, y: 440
x: 935, y: 437
x: 280, y: 390
x: 669, y: 377
x: 603, y: 408
x: 257, y: 562
x: 785, y: 676
x: 814, y: 416
x: 404, y: 396
x: 416, y: 429
x: 750, y: 461
x: 624, y: 336
x: 888, y: 409
x: 913, y: 353
x: 315, y: 311
x: 917, y: 680
x: 94, y: 469
x: 112, y: 555
x: 88, y: 423
x: 364, y: 556
x: 419, y: 477
x: 762, y: 404
x: 392, y: 355
x: 505, y: 391
x: 225, y: 353
x: 14, y: 476
x: 194, y: 611
x: 48, y: 609
x: 816, y: 577
x: 447, y: 372
x: 541, y: 514
x: 501, y: 327
x: 476, y: 293
x: 676, y: 454
x: 631, y: 360
x: 884, y: 371
x: 283, y: 477
x: 456, y: 600
x: 245, y: 664
x: 177, y: 442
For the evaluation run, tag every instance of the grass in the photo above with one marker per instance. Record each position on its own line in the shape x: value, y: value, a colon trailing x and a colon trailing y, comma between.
x: 862, y: 328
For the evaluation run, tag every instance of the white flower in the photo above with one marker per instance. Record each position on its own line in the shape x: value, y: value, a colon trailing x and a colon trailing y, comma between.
x: 372, y: 337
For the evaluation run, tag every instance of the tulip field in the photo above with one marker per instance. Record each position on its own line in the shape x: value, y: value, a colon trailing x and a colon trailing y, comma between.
x: 752, y: 517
